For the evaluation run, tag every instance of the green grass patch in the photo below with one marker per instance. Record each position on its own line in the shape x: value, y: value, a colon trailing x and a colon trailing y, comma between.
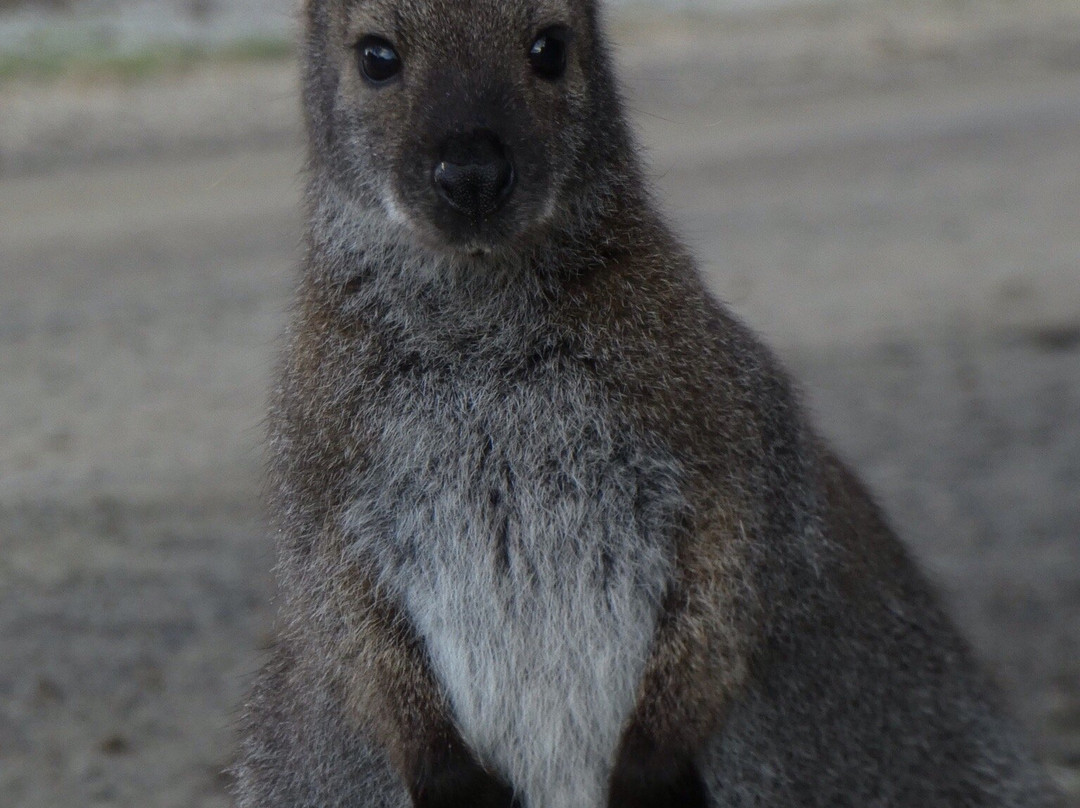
x: 52, y: 61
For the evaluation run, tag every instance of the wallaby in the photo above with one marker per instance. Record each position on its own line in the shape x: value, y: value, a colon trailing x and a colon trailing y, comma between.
x: 554, y: 531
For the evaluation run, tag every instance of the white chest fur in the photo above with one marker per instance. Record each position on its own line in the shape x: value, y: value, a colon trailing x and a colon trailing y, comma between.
x: 528, y: 537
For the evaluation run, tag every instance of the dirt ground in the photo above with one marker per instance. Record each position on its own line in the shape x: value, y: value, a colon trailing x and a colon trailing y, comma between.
x: 889, y: 192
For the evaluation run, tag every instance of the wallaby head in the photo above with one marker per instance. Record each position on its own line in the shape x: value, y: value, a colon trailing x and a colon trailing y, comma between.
x: 471, y: 125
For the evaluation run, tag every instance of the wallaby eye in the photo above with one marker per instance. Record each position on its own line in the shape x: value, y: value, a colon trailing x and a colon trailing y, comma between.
x: 379, y: 62
x: 547, y: 55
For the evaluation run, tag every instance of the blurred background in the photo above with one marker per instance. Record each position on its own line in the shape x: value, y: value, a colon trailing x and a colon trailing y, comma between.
x: 888, y: 190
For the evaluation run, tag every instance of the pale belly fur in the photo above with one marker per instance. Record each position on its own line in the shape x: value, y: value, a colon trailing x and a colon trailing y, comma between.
x: 529, y: 543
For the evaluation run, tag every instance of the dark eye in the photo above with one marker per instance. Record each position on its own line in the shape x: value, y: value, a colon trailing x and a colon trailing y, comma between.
x: 547, y: 55
x: 379, y: 61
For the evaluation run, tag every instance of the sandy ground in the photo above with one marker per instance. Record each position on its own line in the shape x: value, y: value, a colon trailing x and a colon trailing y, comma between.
x: 890, y: 193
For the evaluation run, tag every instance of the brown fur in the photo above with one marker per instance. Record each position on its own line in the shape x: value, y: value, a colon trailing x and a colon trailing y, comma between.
x: 448, y: 386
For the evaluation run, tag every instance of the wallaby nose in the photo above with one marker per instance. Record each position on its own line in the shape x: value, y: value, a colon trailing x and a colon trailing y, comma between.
x: 474, y: 174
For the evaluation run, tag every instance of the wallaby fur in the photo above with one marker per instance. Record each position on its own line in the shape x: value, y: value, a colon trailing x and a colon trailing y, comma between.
x: 554, y: 531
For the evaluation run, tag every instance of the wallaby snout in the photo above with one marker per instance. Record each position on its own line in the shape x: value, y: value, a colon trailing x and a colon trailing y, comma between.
x: 474, y: 174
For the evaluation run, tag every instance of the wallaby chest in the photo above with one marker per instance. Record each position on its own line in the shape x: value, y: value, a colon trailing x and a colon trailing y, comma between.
x: 527, y: 532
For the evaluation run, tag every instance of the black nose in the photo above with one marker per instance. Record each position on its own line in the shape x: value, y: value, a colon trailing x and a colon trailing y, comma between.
x: 474, y: 174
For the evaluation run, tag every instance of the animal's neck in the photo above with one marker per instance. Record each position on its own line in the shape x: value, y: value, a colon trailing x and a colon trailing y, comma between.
x: 367, y: 266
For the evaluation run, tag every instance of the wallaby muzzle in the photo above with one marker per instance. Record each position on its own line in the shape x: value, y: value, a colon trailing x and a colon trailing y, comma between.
x: 474, y: 175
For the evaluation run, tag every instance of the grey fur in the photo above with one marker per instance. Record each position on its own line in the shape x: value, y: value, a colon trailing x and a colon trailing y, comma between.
x: 507, y: 503
x: 540, y: 496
